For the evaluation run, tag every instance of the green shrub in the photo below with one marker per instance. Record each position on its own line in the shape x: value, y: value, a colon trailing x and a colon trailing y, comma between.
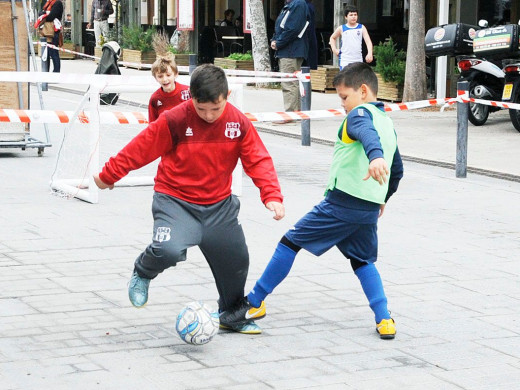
x: 241, y: 57
x: 136, y: 38
x: 390, y: 63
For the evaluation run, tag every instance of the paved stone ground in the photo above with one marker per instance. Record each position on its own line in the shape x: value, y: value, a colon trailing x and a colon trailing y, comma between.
x: 448, y: 258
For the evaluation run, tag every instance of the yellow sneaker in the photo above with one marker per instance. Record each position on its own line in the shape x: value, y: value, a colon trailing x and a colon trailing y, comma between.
x: 386, y: 329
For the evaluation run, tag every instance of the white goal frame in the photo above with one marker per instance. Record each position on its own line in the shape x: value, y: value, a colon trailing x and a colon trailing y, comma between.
x: 85, y: 188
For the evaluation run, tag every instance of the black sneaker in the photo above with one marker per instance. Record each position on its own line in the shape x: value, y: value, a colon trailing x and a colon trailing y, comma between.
x: 242, y: 313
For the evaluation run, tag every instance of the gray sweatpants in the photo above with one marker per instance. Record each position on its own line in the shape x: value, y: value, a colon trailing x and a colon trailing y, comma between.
x: 215, y: 229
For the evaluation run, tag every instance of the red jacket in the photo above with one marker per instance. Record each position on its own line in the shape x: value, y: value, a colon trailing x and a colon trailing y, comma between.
x: 198, y: 158
x: 161, y: 101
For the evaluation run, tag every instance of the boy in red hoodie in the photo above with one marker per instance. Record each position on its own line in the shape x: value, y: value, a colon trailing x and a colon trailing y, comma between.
x: 171, y: 93
x: 199, y: 143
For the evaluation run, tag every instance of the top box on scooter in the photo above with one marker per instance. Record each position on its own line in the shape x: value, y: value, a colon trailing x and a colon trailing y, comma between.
x: 450, y: 40
x: 497, y: 42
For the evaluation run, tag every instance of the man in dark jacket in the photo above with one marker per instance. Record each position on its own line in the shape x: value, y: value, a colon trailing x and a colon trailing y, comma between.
x: 291, y: 47
x: 101, y: 10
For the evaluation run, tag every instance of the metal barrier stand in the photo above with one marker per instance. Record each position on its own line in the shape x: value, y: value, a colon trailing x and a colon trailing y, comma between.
x: 461, y: 161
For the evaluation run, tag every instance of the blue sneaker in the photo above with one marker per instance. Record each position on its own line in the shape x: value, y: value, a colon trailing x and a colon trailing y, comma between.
x: 246, y: 328
x: 138, y: 290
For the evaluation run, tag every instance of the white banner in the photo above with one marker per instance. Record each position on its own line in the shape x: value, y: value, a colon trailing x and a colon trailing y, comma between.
x: 185, y: 15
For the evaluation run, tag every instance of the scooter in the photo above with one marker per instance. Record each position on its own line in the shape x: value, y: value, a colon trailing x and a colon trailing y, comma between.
x: 486, y: 81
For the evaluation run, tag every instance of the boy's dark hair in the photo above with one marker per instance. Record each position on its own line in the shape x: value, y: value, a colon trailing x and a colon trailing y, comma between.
x: 355, y: 74
x: 208, y: 83
x: 350, y: 8
x: 229, y: 12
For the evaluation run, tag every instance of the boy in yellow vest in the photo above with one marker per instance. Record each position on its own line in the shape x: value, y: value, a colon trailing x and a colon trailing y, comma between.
x: 365, y: 172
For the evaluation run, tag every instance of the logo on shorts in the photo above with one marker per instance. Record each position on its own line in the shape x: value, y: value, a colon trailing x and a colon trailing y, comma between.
x: 162, y: 234
x: 185, y: 94
x: 232, y: 130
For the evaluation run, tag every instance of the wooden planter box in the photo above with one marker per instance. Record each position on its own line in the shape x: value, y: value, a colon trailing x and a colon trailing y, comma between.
x: 68, y: 56
x: 226, y: 63
x: 322, y: 78
x: 138, y: 58
x: 388, y: 90
x: 182, y: 59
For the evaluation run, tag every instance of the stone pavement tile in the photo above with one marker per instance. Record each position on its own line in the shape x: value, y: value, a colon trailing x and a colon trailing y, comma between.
x: 492, y: 376
x: 506, y: 345
x: 460, y: 355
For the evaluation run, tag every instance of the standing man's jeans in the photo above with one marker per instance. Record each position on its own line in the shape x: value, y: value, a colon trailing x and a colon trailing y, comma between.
x: 100, y: 27
x: 290, y: 90
x: 54, y: 55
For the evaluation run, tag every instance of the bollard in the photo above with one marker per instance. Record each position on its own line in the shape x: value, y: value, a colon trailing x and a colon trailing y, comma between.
x: 44, y: 55
x: 193, y: 62
x: 306, y: 106
x: 461, y: 161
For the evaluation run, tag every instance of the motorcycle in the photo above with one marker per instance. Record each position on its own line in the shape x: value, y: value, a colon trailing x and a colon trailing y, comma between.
x: 502, y: 42
x: 511, y: 91
x: 486, y: 81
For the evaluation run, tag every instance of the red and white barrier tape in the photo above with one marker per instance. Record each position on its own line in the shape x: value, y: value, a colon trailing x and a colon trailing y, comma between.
x: 417, y: 104
x: 463, y: 97
x: 133, y: 118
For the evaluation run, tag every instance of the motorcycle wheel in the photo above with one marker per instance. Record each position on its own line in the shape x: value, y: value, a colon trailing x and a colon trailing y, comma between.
x: 478, y: 113
x: 515, y: 114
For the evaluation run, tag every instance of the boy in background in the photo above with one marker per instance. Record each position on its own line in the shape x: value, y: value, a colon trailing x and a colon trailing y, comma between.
x: 360, y: 184
x: 171, y: 93
x: 351, y: 34
x: 199, y: 143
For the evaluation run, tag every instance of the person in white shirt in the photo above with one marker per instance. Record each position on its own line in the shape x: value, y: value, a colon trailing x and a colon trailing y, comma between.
x: 351, y: 35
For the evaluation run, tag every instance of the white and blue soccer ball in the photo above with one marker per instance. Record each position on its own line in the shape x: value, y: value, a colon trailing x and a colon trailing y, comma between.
x: 197, y: 323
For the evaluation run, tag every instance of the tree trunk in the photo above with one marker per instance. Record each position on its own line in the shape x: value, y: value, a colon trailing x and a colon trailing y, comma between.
x: 415, y: 76
x: 259, y: 36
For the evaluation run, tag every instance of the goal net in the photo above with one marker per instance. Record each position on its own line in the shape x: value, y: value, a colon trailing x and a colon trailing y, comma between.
x: 85, y: 147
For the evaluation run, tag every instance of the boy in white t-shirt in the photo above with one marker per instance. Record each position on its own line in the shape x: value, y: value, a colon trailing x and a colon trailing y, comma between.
x: 351, y: 34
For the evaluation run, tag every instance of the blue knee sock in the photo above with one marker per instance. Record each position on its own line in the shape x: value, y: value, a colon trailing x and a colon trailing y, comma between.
x: 373, y: 288
x: 276, y: 271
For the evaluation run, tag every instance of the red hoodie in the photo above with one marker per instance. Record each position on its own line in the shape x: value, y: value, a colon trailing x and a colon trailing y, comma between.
x: 161, y: 101
x: 197, y: 157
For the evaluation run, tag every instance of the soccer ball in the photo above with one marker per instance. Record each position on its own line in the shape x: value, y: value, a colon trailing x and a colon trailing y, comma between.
x: 197, y: 323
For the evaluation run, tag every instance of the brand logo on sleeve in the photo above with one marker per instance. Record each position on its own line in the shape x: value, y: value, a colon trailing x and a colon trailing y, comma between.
x: 159, y: 103
x: 232, y: 130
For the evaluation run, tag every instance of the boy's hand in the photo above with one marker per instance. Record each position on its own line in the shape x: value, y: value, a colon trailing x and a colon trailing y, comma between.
x: 101, y: 184
x: 381, y: 210
x: 278, y: 208
x: 378, y: 170
x: 369, y: 58
x: 336, y: 52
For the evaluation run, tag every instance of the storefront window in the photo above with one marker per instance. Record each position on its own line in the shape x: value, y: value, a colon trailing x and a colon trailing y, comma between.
x: 496, y: 12
x: 387, y: 8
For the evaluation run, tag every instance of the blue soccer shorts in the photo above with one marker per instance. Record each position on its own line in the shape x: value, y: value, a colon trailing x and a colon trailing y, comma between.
x: 354, y: 232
